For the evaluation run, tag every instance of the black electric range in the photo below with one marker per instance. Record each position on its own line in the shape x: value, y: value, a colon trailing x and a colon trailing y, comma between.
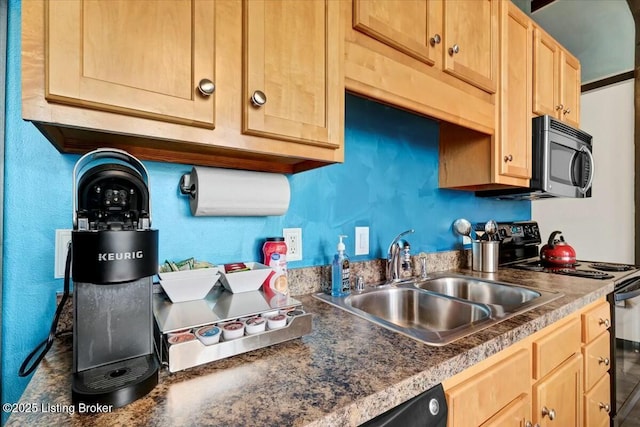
x: 519, y: 249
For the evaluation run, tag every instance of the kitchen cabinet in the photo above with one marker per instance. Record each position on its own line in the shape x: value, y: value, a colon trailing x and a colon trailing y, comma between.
x: 397, y: 52
x: 175, y: 80
x: 537, y: 380
x: 470, y: 41
x: 557, y: 399
x: 556, y: 80
x: 596, y: 351
x: 504, y: 158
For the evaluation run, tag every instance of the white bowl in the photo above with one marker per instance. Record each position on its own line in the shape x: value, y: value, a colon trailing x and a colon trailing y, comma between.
x: 245, y: 281
x: 188, y: 285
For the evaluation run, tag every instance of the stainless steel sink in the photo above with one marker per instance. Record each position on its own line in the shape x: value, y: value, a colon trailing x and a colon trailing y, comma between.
x: 482, y: 291
x: 441, y: 309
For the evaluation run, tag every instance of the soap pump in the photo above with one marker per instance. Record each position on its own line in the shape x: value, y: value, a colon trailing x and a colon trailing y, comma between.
x: 340, y: 273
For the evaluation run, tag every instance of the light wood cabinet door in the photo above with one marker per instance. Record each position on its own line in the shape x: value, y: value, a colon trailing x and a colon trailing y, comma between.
x: 293, y: 70
x: 409, y: 26
x: 555, y: 347
x: 514, y: 154
x: 595, y: 321
x: 597, y: 359
x: 142, y: 59
x: 546, y: 80
x: 556, y: 80
x: 470, y: 41
x: 516, y: 414
x: 557, y: 399
x: 570, y: 88
x: 597, y: 404
x: 470, y: 403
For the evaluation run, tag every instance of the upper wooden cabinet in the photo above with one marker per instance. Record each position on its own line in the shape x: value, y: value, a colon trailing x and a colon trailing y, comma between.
x: 556, y: 80
x: 502, y: 159
x: 397, y: 51
x: 136, y: 58
x: 173, y: 80
x: 412, y: 27
x: 470, y: 40
x: 292, y: 70
x: 513, y: 158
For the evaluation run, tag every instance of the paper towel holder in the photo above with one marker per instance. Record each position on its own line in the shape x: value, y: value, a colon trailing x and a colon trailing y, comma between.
x: 233, y: 192
x: 186, y: 186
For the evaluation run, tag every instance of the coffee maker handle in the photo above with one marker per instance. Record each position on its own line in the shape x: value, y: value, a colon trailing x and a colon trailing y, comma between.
x: 102, y: 153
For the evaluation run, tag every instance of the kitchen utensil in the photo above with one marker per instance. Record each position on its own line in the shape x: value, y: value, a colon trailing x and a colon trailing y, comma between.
x: 491, y: 228
x: 557, y: 252
x: 485, y: 255
x: 462, y: 227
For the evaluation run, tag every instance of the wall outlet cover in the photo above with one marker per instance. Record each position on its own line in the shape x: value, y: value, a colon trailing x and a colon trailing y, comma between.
x: 293, y: 239
x: 63, y: 237
x: 362, y: 241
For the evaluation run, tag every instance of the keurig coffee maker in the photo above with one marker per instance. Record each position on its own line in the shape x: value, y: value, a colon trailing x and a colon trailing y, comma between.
x: 114, y: 257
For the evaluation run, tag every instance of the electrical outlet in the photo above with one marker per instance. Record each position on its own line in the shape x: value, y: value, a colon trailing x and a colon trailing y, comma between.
x: 63, y: 237
x: 362, y: 241
x: 293, y: 239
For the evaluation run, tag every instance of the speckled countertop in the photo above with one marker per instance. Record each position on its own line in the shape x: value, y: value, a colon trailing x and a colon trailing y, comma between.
x: 345, y: 372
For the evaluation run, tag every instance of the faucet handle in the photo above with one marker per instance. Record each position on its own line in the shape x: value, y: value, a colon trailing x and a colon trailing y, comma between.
x: 406, y: 256
x: 359, y: 284
x: 423, y: 267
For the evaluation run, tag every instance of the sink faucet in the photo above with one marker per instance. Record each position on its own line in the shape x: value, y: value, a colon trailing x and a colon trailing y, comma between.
x: 397, y: 248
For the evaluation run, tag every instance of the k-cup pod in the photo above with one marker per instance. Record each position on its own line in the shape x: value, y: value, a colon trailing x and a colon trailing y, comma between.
x: 232, y: 330
x: 276, y: 322
x: 255, y: 325
x: 209, y: 335
x: 179, y: 332
x: 271, y: 313
x: 293, y: 313
x: 180, y: 338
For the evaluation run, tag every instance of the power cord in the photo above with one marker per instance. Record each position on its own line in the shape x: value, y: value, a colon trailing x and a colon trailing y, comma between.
x: 48, y: 342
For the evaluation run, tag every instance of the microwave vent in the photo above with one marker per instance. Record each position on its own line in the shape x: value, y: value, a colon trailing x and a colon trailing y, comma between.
x: 568, y: 130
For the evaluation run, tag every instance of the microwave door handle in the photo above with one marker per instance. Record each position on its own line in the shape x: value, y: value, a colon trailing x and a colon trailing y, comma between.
x: 592, y: 169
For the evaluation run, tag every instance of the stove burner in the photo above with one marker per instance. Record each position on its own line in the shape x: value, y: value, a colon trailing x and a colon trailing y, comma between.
x: 605, y: 266
x: 581, y: 273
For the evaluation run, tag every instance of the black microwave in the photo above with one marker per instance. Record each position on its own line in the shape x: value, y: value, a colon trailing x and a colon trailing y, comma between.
x: 561, y: 163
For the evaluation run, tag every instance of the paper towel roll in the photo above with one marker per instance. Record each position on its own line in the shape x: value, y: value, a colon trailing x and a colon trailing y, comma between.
x: 228, y: 192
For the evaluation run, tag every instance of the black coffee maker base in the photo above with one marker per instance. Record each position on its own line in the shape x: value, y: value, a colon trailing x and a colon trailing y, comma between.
x: 116, y: 384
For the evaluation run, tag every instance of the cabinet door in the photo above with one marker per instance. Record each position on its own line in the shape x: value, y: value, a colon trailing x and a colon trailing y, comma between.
x: 516, y: 414
x: 597, y: 358
x: 570, y: 84
x: 546, y: 82
x: 293, y: 78
x: 471, y: 405
x: 514, y: 156
x: 557, y: 399
x: 597, y: 404
x: 143, y: 59
x: 409, y: 26
x: 470, y: 41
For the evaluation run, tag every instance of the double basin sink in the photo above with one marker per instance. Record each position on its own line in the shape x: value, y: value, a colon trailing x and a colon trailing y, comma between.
x: 443, y: 308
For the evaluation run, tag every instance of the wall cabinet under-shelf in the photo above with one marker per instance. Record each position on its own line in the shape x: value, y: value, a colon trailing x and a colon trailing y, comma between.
x: 90, y: 80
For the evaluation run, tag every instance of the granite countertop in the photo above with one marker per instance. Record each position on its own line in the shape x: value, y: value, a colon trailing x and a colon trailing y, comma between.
x: 345, y: 372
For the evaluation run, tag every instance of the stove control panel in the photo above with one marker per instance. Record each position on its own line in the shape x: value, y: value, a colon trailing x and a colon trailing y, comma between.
x: 521, y: 233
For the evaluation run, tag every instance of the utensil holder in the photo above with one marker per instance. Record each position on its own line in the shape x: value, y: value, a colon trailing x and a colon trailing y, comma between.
x: 485, y: 255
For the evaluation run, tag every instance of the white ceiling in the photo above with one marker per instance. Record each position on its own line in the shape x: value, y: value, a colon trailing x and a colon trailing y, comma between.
x: 601, y: 33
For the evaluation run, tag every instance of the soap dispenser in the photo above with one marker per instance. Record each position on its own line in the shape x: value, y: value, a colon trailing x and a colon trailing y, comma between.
x: 340, y: 273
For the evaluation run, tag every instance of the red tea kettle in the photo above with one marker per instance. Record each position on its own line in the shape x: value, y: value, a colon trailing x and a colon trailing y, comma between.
x: 557, y: 252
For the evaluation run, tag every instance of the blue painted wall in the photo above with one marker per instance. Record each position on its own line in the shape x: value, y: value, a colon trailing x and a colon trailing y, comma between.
x: 389, y: 182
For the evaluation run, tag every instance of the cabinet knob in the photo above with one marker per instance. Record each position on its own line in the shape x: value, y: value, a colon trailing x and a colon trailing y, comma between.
x: 435, y: 40
x: 530, y: 424
x: 206, y: 87
x: 567, y: 111
x: 508, y: 158
x: 551, y: 413
x: 605, y: 322
x: 454, y: 49
x: 258, y: 98
x: 559, y: 107
x: 604, y: 406
x: 604, y: 360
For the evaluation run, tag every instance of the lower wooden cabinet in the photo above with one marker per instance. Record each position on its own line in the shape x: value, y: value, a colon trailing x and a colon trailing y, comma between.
x: 515, y: 414
x: 557, y: 399
x: 597, y: 404
x: 551, y: 378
